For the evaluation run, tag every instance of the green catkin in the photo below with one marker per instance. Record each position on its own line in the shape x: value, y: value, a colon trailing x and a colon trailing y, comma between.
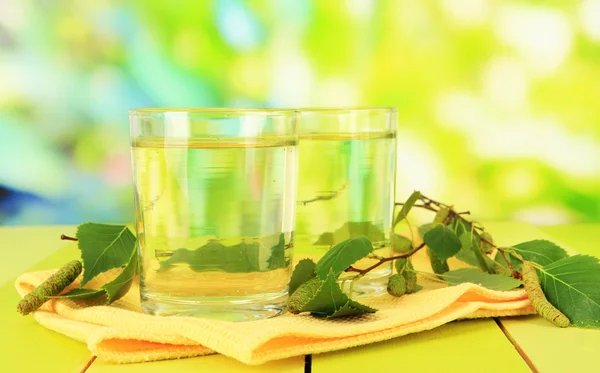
x: 299, y: 299
x: 441, y: 215
x: 396, y: 285
x: 405, y: 268
x: 438, y: 266
x: 49, y: 288
x: 401, y: 244
x: 538, y: 299
x: 411, y: 281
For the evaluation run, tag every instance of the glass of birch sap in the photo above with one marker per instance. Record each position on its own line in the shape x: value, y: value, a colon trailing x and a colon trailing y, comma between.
x: 215, y: 193
x: 346, y: 186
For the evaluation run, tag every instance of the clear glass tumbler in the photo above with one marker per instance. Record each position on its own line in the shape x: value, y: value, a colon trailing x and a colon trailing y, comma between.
x: 215, y: 193
x: 347, y: 161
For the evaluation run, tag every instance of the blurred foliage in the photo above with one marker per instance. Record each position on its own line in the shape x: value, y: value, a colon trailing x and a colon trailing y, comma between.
x: 497, y: 99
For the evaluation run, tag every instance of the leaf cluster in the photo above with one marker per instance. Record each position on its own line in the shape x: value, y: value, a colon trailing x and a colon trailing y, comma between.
x: 562, y: 287
x: 570, y: 284
x: 314, y: 286
x: 105, y: 247
x: 241, y: 258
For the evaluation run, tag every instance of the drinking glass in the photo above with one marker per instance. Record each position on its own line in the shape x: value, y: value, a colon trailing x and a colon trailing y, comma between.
x: 215, y: 193
x: 347, y: 160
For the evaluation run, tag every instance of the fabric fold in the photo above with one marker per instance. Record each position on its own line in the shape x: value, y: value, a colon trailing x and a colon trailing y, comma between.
x: 121, y: 333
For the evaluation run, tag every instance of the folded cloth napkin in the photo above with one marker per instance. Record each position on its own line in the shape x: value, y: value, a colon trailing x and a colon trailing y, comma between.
x: 121, y: 333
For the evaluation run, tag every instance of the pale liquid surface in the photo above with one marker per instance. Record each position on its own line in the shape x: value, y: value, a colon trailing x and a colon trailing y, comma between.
x: 215, y: 220
x: 345, y: 189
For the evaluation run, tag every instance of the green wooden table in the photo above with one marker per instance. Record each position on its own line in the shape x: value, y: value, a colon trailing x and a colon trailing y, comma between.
x: 465, y: 346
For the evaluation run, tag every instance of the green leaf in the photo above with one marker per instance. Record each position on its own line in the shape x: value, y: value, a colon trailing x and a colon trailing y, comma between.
x: 572, y: 285
x: 352, y: 230
x: 437, y: 266
x: 441, y: 215
x: 343, y: 255
x: 214, y: 256
x: 466, y: 253
x: 467, y: 256
x: 330, y: 299
x: 325, y: 239
x: 345, y: 310
x: 304, y: 271
x: 459, y: 227
x: 485, y: 246
x: 425, y: 228
x: 470, y: 258
x: 277, y: 258
x: 410, y: 202
x: 475, y: 276
x: 241, y: 258
x: 121, y: 285
x: 470, y: 252
x: 400, y: 243
x: 403, y: 264
x: 351, y: 308
x: 516, y: 263
x: 442, y: 241
x: 103, y: 247
x: 362, y: 307
x: 542, y: 252
x: 82, y: 294
x: 467, y: 241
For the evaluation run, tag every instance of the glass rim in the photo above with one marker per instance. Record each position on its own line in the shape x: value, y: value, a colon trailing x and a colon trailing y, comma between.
x: 234, y: 112
x: 348, y: 109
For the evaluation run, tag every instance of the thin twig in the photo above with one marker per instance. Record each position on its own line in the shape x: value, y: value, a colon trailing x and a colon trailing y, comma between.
x: 508, y: 263
x: 68, y: 238
x: 427, y: 205
x: 429, y: 201
x: 332, y: 194
x: 407, y: 254
x: 424, y: 206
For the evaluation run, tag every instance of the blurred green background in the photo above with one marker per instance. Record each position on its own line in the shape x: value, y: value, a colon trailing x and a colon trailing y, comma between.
x: 498, y: 100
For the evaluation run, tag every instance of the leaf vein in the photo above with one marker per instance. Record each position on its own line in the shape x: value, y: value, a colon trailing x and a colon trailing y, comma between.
x: 107, y: 247
x: 555, y: 279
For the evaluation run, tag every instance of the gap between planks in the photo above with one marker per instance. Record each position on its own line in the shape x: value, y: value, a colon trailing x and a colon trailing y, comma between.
x: 512, y: 340
x: 88, y: 364
x: 307, y: 363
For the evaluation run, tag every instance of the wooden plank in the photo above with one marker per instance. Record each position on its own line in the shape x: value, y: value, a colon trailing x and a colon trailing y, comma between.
x: 552, y: 349
x: 461, y: 346
x: 464, y: 344
x: 549, y: 348
x: 26, y: 346
x: 468, y: 345
x: 29, y: 347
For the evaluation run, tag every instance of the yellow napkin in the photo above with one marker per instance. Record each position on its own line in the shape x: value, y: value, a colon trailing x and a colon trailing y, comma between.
x: 121, y: 333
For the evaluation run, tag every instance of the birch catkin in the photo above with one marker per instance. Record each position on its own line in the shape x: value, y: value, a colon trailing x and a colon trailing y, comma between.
x: 396, y: 285
x: 51, y: 287
x: 538, y: 299
x: 301, y: 297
